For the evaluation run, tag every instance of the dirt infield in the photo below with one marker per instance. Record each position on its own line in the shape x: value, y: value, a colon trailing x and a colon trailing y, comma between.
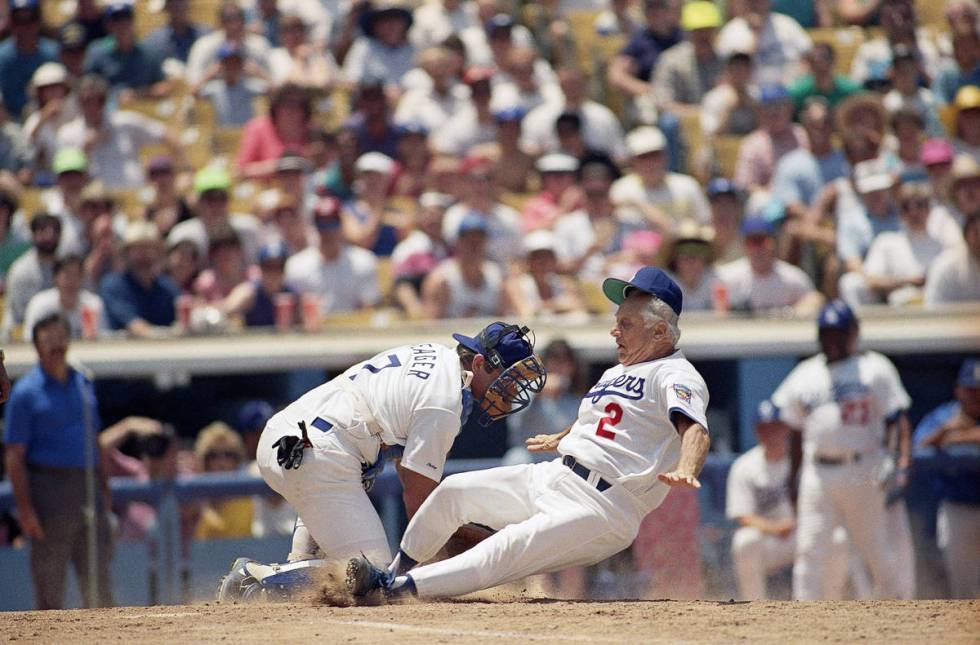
x: 510, y: 620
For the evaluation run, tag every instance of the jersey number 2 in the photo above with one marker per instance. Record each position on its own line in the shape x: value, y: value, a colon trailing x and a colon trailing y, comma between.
x: 615, y: 416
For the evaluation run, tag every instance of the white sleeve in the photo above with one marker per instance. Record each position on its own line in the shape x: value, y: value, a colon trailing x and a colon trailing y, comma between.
x: 739, y: 500
x: 700, y: 209
x: 686, y: 393
x: 367, y: 278
x: 889, y: 388
x: 786, y: 400
x: 875, y: 263
x: 354, y: 63
x: 430, y: 437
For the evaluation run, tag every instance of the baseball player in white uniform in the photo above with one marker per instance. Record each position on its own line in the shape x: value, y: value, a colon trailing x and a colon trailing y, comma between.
x: 847, y: 404
x: 758, y: 500
x: 640, y: 430
x: 408, y: 403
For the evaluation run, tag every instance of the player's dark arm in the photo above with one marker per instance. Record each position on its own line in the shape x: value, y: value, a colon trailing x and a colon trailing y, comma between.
x: 795, y: 461
x: 780, y: 528
x: 901, y: 424
x: 415, y: 489
x: 694, y: 450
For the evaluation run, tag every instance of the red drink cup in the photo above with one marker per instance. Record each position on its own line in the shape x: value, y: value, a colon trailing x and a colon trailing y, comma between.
x: 285, y: 304
x: 90, y: 322
x: 719, y: 297
x: 311, y: 312
x: 185, y: 304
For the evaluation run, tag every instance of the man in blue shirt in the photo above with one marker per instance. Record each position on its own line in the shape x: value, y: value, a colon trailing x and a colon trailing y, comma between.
x: 174, y: 39
x: 121, y: 59
x: 52, y: 412
x: 630, y: 71
x: 22, y: 53
x: 954, y: 427
x: 139, y: 298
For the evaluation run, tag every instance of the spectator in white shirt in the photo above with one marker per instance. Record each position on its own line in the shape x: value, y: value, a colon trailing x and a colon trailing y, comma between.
x: 112, y: 139
x: 691, y: 262
x: 477, y: 196
x: 898, y: 261
x: 298, y: 61
x: 342, y: 277
x: 600, y: 127
x: 437, y: 20
x: 440, y: 99
x: 777, y: 40
x: 473, y: 124
x: 383, y: 52
x: 663, y: 198
x: 204, y: 53
x: 955, y: 275
x: 68, y: 298
x: 760, y: 282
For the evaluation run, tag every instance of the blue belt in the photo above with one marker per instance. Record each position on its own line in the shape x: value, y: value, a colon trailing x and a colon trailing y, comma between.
x: 601, y: 484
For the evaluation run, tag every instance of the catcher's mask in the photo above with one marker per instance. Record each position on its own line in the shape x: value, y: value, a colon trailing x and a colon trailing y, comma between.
x: 511, y: 348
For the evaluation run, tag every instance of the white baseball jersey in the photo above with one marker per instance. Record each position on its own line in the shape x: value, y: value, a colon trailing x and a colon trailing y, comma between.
x: 415, y: 394
x: 624, y: 431
x: 842, y: 407
x: 757, y: 486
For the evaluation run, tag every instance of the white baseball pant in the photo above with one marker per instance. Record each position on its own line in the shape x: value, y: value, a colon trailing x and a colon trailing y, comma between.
x: 845, y: 495
x: 327, y: 493
x: 547, y: 518
x: 756, y: 556
x: 958, y: 534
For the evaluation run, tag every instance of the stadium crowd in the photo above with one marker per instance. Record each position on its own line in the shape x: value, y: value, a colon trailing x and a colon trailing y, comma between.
x: 191, y: 166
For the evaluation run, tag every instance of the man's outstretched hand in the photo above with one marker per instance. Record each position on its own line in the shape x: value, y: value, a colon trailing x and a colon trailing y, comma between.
x: 544, y: 442
x: 679, y: 480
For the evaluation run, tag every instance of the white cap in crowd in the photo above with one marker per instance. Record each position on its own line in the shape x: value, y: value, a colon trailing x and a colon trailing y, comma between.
x: 645, y: 139
x: 375, y: 162
x: 557, y: 162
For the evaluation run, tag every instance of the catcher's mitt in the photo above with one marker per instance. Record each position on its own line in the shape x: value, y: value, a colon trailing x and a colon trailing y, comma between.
x: 465, y: 538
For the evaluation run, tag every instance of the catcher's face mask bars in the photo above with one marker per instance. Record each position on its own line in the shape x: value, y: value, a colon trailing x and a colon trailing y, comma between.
x: 513, y: 390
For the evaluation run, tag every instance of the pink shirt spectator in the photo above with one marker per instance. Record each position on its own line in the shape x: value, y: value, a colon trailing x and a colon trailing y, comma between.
x: 262, y: 142
x: 540, y: 211
x: 759, y: 153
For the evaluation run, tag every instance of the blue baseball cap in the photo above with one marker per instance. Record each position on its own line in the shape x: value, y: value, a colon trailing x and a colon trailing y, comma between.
x: 721, y: 186
x: 227, y: 50
x: 758, y: 226
x: 253, y: 415
x: 499, y: 21
x: 412, y: 127
x: 771, y: 93
x: 836, y: 314
x: 472, y: 222
x: 650, y: 280
x: 508, y: 114
x: 969, y: 373
x: 29, y: 5
x: 116, y: 9
x: 766, y: 412
x: 508, y: 341
x: 277, y: 250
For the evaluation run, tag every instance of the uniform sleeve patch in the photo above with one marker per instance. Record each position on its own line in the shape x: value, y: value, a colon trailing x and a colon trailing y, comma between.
x: 683, y: 392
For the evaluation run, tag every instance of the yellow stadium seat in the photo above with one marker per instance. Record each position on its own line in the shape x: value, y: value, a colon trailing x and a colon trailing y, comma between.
x: 146, y: 20
x: 844, y: 40
x: 205, y: 12
x: 30, y: 201
x: 227, y: 140
x: 931, y: 13
x: 515, y: 200
x: 726, y: 149
x: 595, y: 301
x: 166, y: 110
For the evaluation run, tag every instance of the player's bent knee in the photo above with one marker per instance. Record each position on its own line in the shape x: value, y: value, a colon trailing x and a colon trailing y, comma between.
x: 747, y: 540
